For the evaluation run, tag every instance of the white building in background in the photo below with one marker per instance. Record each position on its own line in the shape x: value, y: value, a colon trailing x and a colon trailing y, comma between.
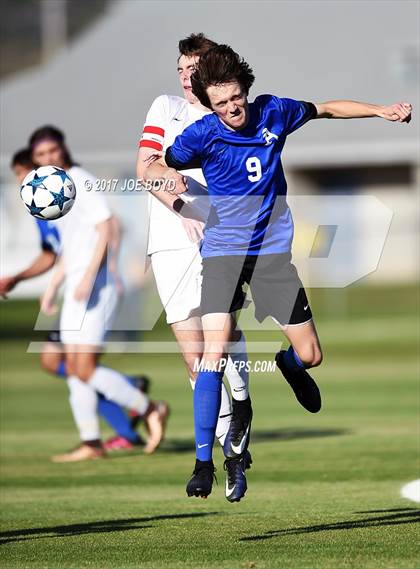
x: 99, y: 88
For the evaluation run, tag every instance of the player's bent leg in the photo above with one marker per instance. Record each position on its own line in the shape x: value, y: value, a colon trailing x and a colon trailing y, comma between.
x: 85, y: 362
x: 114, y: 387
x: 83, y: 402
x: 304, y: 352
x: 305, y: 342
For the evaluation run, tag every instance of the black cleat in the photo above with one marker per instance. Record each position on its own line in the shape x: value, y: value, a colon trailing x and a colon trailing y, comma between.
x: 236, y: 485
x: 247, y: 460
x: 237, y: 437
x: 201, y: 481
x: 303, y: 385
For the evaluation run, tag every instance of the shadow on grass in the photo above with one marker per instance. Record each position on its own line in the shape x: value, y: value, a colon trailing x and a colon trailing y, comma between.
x: 105, y: 526
x: 404, y: 516
x: 174, y: 445
x: 386, y: 511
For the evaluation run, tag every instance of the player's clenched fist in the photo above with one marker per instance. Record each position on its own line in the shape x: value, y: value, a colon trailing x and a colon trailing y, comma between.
x: 400, y: 112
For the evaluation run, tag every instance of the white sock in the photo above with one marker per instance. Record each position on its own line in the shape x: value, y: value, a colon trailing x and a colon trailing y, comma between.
x: 236, y: 370
x: 83, y: 402
x: 114, y: 386
x: 225, y: 414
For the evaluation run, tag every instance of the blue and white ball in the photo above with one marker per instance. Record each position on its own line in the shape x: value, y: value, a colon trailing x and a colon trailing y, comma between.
x: 48, y: 192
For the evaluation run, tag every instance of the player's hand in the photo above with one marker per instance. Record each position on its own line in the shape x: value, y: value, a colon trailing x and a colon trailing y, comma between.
x: 83, y: 289
x: 176, y: 182
x: 6, y: 285
x: 48, y: 304
x: 399, y: 112
x: 194, y: 229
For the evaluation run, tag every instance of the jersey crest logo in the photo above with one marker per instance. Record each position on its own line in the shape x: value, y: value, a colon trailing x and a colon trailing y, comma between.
x: 268, y: 136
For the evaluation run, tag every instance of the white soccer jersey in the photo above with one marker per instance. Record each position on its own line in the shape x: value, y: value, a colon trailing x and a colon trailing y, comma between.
x: 77, y: 228
x: 167, y: 118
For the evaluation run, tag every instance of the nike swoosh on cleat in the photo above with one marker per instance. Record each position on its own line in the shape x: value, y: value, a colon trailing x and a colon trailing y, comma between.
x: 205, y: 445
x: 239, y: 449
x: 229, y: 491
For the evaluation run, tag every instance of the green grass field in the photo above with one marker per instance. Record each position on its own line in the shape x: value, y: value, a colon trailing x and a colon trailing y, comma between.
x: 324, y: 490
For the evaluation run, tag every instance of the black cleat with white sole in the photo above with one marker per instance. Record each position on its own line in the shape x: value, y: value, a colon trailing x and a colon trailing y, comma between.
x: 236, y: 484
x: 201, y: 481
x: 237, y: 437
x: 303, y: 385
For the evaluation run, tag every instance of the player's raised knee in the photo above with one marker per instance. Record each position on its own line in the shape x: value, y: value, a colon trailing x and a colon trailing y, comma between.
x: 317, y: 359
x: 310, y: 356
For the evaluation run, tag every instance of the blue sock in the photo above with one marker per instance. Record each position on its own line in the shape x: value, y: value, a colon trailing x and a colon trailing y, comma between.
x: 292, y: 360
x: 61, y: 369
x: 116, y: 418
x: 207, y: 396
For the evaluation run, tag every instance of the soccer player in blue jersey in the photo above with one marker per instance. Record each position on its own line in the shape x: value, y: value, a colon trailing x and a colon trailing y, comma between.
x: 249, y: 235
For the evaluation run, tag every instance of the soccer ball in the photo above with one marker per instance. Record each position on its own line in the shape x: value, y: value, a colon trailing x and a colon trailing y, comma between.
x: 48, y: 192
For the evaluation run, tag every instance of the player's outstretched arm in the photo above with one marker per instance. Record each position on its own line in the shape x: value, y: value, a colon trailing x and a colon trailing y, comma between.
x: 341, y: 109
x: 39, y: 266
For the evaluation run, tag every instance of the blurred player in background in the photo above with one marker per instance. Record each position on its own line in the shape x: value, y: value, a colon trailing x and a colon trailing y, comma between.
x: 239, y: 147
x: 90, y: 300
x: 52, y: 356
x: 174, y: 249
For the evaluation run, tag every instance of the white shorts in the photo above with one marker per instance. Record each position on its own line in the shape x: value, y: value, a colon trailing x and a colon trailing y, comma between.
x: 87, y: 322
x: 178, y: 279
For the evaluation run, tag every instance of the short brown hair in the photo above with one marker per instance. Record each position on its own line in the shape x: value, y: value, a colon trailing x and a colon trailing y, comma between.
x: 195, y: 44
x: 217, y: 66
x: 22, y: 158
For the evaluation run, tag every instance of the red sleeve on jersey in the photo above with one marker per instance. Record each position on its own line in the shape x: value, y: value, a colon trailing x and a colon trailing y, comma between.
x: 150, y: 144
x: 154, y: 130
x: 152, y: 137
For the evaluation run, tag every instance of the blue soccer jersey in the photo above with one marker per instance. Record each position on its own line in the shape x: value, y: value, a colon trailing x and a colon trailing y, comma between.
x: 244, y: 175
x: 50, y: 237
